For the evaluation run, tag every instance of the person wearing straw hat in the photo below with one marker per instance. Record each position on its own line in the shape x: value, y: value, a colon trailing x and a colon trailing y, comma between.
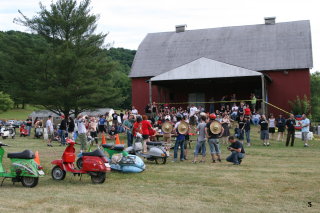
x: 167, y: 128
x: 181, y: 128
x: 214, y: 131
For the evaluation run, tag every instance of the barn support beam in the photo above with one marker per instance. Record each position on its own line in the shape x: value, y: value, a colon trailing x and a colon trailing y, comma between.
x: 150, y: 92
x: 263, y: 87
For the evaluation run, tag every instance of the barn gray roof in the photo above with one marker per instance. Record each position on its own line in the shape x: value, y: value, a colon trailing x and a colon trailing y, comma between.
x: 260, y: 47
x: 205, y: 68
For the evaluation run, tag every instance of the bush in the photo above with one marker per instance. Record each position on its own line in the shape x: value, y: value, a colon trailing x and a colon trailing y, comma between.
x: 300, y: 105
x: 5, y: 102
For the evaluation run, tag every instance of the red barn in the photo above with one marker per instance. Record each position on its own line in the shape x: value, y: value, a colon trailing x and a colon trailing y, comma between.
x: 272, y: 60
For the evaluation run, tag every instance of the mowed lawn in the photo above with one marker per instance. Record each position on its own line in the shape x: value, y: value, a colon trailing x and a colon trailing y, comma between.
x: 270, y: 179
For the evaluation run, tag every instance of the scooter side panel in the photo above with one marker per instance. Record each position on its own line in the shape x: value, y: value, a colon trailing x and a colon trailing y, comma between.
x: 93, y: 164
x: 24, y: 167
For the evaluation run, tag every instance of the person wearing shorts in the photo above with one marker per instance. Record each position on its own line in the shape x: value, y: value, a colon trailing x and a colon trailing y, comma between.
x: 272, y: 126
x: 213, y: 140
x: 145, y: 127
x: 49, y: 127
x: 264, y: 133
x: 305, y: 124
x: 201, y: 141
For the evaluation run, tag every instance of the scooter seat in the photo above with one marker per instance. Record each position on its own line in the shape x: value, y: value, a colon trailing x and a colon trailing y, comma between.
x: 154, y: 143
x: 96, y: 153
x: 107, y: 146
x: 26, y: 154
x: 118, y: 147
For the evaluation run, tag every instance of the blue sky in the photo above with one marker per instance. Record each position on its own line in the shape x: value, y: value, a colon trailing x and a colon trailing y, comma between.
x: 128, y: 21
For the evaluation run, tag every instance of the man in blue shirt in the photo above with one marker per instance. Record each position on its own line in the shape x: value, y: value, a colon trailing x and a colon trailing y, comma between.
x: 305, y: 124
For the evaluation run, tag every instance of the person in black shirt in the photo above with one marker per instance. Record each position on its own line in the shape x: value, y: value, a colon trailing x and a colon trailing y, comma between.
x: 290, y: 125
x: 281, y: 124
x: 264, y: 130
x: 237, y: 151
x: 213, y: 139
x: 29, y: 125
x: 63, y: 131
x: 247, y: 130
x: 241, y: 124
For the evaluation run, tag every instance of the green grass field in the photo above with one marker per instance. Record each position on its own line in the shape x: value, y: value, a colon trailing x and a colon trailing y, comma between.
x: 270, y: 179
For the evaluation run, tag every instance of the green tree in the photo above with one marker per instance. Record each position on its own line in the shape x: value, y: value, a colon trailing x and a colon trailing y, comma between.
x: 18, y: 57
x: 73, y: 74
x: 315, y: 95
x: 5, y: 102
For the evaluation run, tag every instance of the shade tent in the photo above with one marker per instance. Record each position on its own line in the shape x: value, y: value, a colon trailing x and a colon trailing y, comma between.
x: 204, y: 68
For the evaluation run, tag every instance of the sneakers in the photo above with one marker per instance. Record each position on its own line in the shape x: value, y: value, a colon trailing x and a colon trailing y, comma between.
x: 240, y: 160
x: 174, y: 160
x: 219, y: 160
x: 268, y: 144
x: 248, y: 144
x: 194, y: 161
x: 213, y: 161
x: 264, y: 144
x: 306, y: 145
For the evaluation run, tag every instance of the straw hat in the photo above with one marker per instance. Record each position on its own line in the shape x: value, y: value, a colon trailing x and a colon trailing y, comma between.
x: 167, y: 127
x: 183, y: 128
x: 215, y: 127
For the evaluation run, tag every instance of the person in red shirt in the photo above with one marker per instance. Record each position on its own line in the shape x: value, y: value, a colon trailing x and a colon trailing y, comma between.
x: 145, y: 127
x: 247, y: 111
x: 137, y: 127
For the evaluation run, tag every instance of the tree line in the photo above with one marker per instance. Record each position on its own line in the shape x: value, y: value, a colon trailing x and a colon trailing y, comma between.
x: 63, y: 64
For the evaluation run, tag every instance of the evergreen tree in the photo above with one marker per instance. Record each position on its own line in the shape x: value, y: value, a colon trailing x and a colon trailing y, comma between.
x: 74, y: 73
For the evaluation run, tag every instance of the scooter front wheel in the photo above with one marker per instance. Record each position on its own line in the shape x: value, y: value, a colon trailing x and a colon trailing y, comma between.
x: 29, y: 181
x: 98, y: 178
x: 57, y: 173
x: 161, y: 160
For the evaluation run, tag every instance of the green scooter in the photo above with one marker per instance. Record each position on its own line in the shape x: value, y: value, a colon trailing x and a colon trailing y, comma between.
x: 23, y: 168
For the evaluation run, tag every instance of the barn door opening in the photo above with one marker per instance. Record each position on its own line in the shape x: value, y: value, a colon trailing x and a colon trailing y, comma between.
x: 197, y: 99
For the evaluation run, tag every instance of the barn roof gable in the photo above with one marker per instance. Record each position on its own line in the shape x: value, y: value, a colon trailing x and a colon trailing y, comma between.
x: 260, y: 47
x: 205, y: 68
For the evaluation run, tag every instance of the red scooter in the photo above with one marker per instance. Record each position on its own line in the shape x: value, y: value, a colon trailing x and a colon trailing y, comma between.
x: 94, y: 163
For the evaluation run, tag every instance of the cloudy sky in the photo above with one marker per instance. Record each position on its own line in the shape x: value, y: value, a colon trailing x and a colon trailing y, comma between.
x: 128, y: 21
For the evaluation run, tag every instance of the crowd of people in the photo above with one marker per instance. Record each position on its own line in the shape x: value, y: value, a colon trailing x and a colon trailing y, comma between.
x: 236, y: 119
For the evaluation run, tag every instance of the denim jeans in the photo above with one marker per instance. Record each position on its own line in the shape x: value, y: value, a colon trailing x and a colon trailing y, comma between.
x: 129, y: 138
x: 63, y: 137
x: 255, y: 121
x: 200, y: 145
x: 214, y: 146
x: 29, y: 130
x: 248, y: 136
x: 176, y: 146
x: 235, y: 156
x: 234, y: 115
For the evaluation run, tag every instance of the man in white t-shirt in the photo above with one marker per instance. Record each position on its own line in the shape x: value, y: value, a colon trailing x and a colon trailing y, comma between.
x: 193, y: 110
x: 49, y: 127
x: 82, y: 131
x: 305, y: 124
x: 234, y: 110
x: 134, y: 111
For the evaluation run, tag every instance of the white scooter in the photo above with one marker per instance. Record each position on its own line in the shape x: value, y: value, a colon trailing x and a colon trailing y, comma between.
x: 7, y: 131
x: 156, y: 151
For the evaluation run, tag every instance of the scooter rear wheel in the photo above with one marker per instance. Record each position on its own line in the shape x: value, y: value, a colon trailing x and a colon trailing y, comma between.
x: 29, y: 181
x: 161, y: 160
x: 99, y: 178
x: 57, y: 173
